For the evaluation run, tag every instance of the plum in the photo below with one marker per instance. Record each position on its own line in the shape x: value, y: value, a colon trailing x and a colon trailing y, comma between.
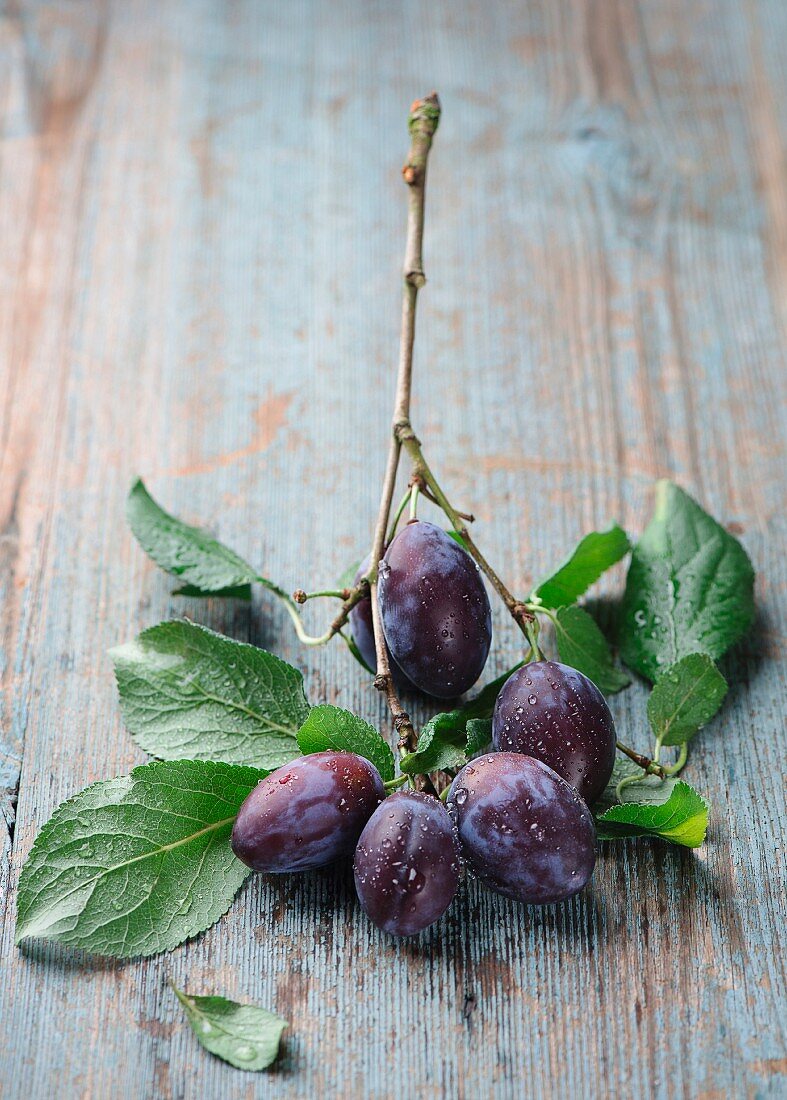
x: 556, y: 714
x: 407, y: 863
x: 307, y: 813
x: 524, y: 831
x: 435, y: 610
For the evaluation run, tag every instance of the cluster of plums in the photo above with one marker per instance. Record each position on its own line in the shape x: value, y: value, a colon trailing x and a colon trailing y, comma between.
x: 516, y: 816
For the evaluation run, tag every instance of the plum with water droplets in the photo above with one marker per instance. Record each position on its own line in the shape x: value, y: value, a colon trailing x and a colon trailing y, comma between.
x: 435, y: 610
x: 407, y: 863
x: 362, y: 629
x: 556, y: 714
x: 308, y: 813
x: 524, y: 831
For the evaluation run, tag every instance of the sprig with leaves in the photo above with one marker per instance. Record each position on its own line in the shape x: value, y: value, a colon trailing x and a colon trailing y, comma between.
x: 136, y: 865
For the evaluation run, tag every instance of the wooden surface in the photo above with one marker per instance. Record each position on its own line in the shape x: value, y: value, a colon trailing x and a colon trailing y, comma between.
x: 202, y: 223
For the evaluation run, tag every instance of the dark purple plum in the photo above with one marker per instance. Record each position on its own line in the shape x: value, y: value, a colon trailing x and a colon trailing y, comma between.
x: 407, y: 863
x: 435, y: 610
x: 363, y: 633
x: 554, y: 713
x: 308, y: 813
x: 525, y: 832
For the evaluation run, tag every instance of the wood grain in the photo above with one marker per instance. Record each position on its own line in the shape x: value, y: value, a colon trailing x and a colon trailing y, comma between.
x: 200, y: 285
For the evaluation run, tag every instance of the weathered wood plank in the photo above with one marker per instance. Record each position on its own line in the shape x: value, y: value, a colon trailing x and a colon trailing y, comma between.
x: 199, y: 286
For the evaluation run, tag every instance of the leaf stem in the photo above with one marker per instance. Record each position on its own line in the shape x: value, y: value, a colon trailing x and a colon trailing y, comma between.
x: 353, y: 596
x: 394, y: 784
x: 337, y: 593
x: 649, y: 766
x: 627, y: 781
x: 679, y: 764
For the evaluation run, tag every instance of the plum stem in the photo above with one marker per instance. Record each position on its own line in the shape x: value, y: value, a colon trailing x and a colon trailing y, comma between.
x: 398, y: 515
x: 422, y: 472
x: 423, y: 122
x: 414, y: 502
x: 416, y: 479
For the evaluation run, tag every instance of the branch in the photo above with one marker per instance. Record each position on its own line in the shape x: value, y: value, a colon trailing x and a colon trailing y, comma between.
x: 424, y: 118
x: 650, y: 767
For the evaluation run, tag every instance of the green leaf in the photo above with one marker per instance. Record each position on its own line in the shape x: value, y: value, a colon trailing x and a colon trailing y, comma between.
x: 188, y: 693
x: 669, y: 809
x: 685, y: 697
x: 449, y: 738
x: 207, y: 567
x: 329, y: 727
x: 347, y: 579
x: 352, y: 645
x: 594, y: 554
x: 690, y: 587
x: 479, y: 734
x: 623, y: 768
x: 581, y: 644
x: 441, y: 745
x: 456, y: 536
x: 136, y: 865
x: 240, y: 592
x: 246, y: 1036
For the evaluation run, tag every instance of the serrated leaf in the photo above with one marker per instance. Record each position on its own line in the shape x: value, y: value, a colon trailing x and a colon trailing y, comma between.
x: 246, y: 1036
x: 207, y: 566
x: 690, y: 587
x: 189, y: 693
x: 479, y: 734
x: 441, y: 745
x: 685, y: 697
x: 136, y: 865
x: 328, y: 727
x: 594, y: 554
x: 681, y: 817
x: 581, y: 644
x: 650, y: 788
x: 447, y: 739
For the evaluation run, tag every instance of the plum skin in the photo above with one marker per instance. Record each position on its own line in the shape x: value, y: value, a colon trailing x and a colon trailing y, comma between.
x: 362, y: 628
x: 407, y: 864
x: 525, y: 832
x: 435, y: 610
x: 556, y: 714
x: 308, y: 813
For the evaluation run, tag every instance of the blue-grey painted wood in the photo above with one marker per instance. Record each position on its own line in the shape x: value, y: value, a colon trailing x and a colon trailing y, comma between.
x: 202, y: 224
